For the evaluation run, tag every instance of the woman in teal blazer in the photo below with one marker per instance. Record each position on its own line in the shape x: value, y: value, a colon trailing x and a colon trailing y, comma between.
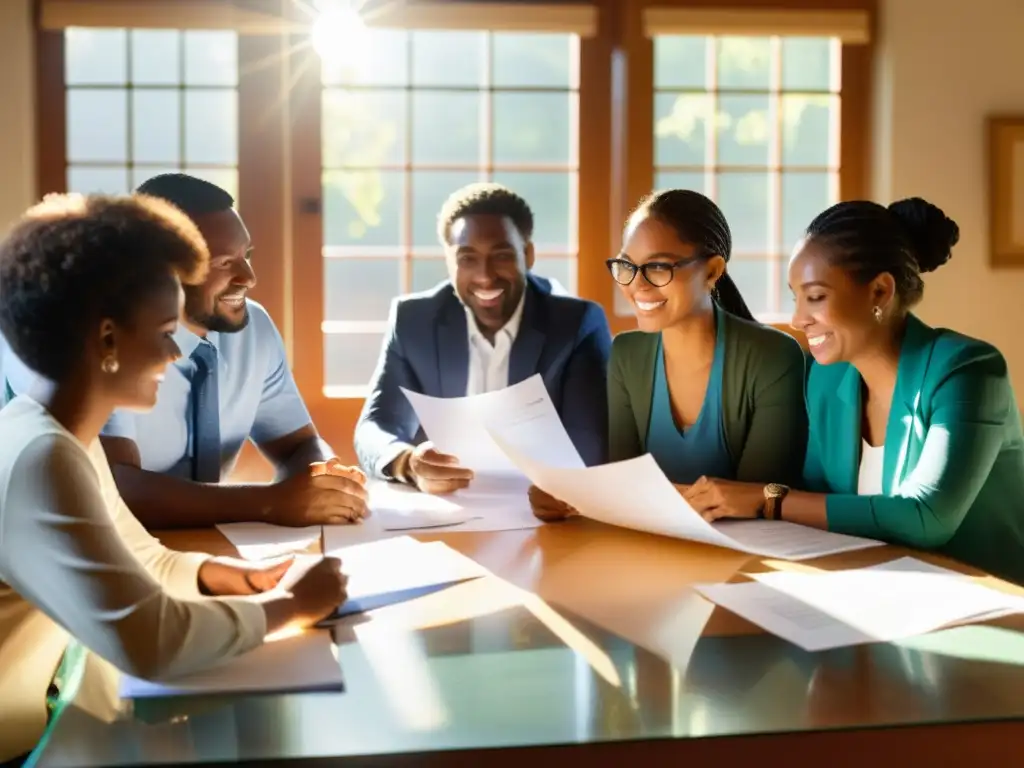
x: 701, y: 386
x: 915, y: 435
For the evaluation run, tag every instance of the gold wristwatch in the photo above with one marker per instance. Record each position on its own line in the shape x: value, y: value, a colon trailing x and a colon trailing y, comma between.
x: 774, y: 493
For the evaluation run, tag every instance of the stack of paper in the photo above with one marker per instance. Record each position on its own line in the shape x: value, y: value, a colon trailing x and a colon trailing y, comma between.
x: 831, y: 609
x: 302, y: 662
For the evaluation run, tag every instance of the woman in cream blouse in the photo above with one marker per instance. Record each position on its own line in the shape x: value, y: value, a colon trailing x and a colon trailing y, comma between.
x: 90, y: 290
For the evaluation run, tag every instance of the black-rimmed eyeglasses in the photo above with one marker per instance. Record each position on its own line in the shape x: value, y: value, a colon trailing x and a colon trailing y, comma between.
x: 657, y: 273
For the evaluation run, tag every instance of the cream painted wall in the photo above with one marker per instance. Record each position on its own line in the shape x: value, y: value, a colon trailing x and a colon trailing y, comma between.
x: 943, y: 66
x: 17, y: 105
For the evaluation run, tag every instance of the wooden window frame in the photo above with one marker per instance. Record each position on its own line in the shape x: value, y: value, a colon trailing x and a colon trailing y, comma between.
x: 615, y: 155
x: 635, y: 120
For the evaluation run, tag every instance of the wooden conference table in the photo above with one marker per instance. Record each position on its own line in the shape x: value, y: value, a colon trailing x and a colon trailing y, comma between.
x: 589, y: 644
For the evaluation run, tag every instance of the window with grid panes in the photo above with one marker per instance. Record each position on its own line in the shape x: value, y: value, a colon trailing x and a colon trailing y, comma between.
x: 148, y: 101
x: 416, y: 115
x: 752, y: 122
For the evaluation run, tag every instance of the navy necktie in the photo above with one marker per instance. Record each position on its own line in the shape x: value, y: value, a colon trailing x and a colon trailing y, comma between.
x: 205, y: 415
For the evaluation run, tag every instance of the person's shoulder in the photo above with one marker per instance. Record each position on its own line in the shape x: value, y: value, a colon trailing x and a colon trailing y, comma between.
x: 30, y: 431
x: 765, y: 353
x: 764, y: 340
x: 572, y: 309
x: 260, y: 323
x: 953, y: 351
x: 629, y: 345
x: 423, y: 306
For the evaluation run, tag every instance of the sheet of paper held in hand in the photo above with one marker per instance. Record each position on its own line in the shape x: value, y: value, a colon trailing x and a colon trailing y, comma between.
x: 302, y: 662
x: 636, y: 494
x: 497, y: 499
x: 833, y: 609
x: 524, y: 413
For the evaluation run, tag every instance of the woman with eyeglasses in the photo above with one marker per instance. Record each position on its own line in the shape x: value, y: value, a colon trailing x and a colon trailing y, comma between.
x: 701, y: 386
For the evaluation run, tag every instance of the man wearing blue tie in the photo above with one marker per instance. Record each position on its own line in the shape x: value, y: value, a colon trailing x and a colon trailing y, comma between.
x: 231, y: 384
x: 491, y: 325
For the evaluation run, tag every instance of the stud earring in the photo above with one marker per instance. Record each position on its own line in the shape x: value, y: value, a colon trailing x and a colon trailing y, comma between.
x: 110, y: 365
x: 877, y: 312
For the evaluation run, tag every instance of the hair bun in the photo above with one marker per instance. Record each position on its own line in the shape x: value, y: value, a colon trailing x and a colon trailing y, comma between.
x: 932, y: 233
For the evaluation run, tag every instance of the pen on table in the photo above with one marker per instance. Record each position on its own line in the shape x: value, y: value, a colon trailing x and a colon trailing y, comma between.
x: 323, y: 545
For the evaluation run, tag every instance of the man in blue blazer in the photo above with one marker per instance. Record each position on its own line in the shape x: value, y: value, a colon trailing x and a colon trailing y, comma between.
x: 490, y: 326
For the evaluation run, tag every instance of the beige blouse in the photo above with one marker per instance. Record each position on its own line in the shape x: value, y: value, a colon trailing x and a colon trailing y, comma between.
x: 75, y: 561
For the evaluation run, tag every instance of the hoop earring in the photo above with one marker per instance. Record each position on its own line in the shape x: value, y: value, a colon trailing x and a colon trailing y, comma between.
x: 877, y: 312
x: 110, y: 365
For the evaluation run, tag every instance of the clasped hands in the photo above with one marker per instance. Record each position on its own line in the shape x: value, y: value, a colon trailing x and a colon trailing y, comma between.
x: 330, y: 493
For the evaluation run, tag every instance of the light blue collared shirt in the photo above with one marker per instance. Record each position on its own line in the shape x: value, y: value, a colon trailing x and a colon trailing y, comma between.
x: 258, y: 397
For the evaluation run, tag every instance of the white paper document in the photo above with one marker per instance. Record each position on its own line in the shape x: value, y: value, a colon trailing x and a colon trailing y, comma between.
x: 386, y: 572
x: 491, y: 503
x: 832, y: 609
x: 256, y: 541
x: 524, y: 413
x: 303, y: 662
x: 636, y: 494
x: 398, y: 507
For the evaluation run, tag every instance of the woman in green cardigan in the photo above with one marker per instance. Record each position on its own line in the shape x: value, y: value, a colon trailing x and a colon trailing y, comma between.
x: 915, y: 434
x: 701, y: 386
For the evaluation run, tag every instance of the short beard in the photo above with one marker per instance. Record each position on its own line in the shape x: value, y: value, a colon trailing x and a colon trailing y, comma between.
x: 211, y: 321
x: 214, y: 322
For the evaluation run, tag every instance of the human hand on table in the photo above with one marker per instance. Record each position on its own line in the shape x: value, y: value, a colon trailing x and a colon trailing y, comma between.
x: 434, y: 472
x: 224, y: 576
x: 714, y: 499
x: 330, y: 493
x: 547, y: 508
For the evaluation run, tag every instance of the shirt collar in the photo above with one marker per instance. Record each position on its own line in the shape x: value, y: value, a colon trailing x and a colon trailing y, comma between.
x: 511, y: 327
x: 188, y: 341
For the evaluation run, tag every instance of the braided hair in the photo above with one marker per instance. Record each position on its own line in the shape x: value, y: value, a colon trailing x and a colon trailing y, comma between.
x: 697, y: 220
x: 905, y: 239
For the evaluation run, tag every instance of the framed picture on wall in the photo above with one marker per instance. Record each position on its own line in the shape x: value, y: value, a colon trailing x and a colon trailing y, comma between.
x: 1006, y: 190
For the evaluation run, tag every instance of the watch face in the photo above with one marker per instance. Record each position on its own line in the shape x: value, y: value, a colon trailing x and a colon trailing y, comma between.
x: 775, y: 490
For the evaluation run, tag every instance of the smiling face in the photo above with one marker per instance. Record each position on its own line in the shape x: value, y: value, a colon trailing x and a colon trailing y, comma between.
x: 649, y: 240
x: 487, y: 263
x: 219, y: 303
x: 143, y: 347
x: 835, y: 311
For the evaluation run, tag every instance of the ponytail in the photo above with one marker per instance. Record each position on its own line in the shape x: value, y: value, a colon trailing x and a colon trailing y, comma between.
x: 728, y: 297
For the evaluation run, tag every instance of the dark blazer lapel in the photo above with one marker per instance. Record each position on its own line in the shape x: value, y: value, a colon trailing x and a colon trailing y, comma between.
x: 452, y: 339
x: 530, y: 340
x: 905, y: 430
x: 845, y: 432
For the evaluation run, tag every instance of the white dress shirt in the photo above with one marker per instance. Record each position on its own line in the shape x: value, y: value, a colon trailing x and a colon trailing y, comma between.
x: 75, y: 561
x: 488, y: 363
